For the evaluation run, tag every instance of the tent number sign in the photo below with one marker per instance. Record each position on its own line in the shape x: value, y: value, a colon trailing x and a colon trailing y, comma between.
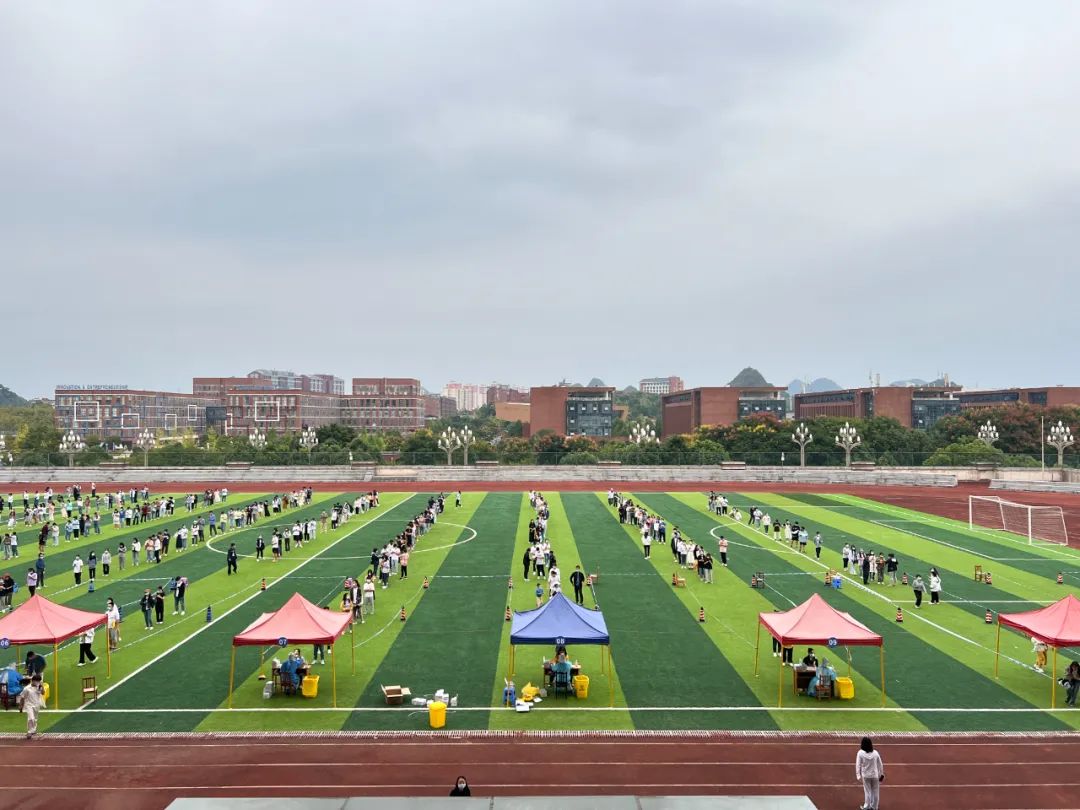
x: 283, y: 642
x: 560, y: 641
x: 832, y: 642
x: 5, y: 643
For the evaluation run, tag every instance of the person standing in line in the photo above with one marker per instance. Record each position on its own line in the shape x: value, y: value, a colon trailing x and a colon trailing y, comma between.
x: 91, y: 565
x: 723, y: 543
x: 159, y: 604
x: 76, y: 568
x: 230, y: 560
x: 368, y: 606
x: 891, y: 565
x: 870, y: 770
x: 179, y: 594
x: 845, y: 555
x: 112, y: 617
x: 121, y: 553
x: 146, y: 605
x: 403, y: 564
x: 31, y: 701
x: 31, y: 580
x: 135, y: 549
x: 935, y: 586
x: 866, y: 568
x: 39, y: 565
x: 577, y: 579
x: 457, y: 498
x: 260, y: 548
x: 86, y: 647
x: 106, y: 561
x: 646, y: 543
x: 918, y: 587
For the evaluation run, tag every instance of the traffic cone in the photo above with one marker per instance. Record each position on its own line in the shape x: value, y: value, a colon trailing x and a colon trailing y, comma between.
x: 989, y: 580
x: 753, y: 580
x: 508, y: 613
x: 674, y: 578
x: 425, y: 586
x: 1061, y: 579
x: 510, y: 584
x: 263, y: 586
x: 903, y: 579
x: 402, y: 614
x: 989, y: 617
x: 899, y: 616
x: 209, y: 615
x: 701, y: 615
x: 828, y: 579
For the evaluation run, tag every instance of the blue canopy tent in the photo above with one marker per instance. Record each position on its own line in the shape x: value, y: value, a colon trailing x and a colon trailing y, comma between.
x: 560, y: 621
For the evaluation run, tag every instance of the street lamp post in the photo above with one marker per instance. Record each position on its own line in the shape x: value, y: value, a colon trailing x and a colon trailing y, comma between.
x: 643, y: 433
x: 257, y: 439
x: 145, y: 441
x: 849, y: 439
x: 3, y: 449
x: 988, y: 434
x: 467, y: 438
x: 71, y: 444
x: 802, y: 437
x: 309, y: 439
x: 1060, y: 437
x: 449, y: 441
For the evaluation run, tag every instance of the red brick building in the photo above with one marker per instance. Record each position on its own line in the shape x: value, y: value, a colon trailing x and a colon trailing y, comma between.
x: 384, y: 403
x: 686, y: 411
x: 571, y: 410
x: 913, y: 407
x: 505, y: 393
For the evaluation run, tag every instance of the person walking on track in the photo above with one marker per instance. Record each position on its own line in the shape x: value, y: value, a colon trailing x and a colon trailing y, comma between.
x: 869, y: 770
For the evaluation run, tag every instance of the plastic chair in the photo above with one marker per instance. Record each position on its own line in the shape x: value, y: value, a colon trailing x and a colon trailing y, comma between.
x: 89, y: 687
x: 561, y: 682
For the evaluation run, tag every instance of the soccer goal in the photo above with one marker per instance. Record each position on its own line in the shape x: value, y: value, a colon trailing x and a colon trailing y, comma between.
x: 1045, y: 523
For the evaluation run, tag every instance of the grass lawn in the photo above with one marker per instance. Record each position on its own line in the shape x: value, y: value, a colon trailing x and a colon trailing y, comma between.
x: 667, y: 670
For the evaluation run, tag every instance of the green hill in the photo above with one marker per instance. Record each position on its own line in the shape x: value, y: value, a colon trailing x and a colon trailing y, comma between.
x: 9, y: 398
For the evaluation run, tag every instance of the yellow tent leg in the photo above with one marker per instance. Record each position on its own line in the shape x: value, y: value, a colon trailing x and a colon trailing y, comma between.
x: 1053, y: 682
x: 56, y: 679
x: 333, y: 672
x: 108, y: 657
x: 353, y: 648
x: 610, y: 681
x: 757, y: 644
x: 232, y: 673
x: 882, y: 648
x: 997, y: 651
x: 513, y: 660
x: 780, y: 680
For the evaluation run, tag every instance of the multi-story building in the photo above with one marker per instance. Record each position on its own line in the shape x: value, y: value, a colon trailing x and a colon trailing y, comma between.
x: 661, y: 385
x: 571, y: 410
x: 384, y: 404
x: 437, y: 406
x: 505, y: 393
x: 513, y: 412
x: 913, y: 407
x: 468, y: 396
x: 118, y: 411
x: 1049, y: 396
x: 686, y: 411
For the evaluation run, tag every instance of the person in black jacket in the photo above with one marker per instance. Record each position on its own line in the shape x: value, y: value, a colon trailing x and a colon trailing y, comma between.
x: 461, y: 787
x: 526, y: 561
x: 577, y: 579
x: 146, y: 605
x: 230, y: 559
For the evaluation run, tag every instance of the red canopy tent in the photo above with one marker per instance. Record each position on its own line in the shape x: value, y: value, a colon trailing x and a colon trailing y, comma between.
x: 1057, y: 625
x: 815, y: 621
x: 298, y: 621
x: 39, y: 621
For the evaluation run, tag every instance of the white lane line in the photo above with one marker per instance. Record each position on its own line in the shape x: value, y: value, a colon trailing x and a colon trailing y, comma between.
x: 208, y: 625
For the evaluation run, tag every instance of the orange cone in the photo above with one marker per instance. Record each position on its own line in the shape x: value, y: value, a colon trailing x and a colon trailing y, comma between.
x: 1061, y: 579
x: 701, y: 615
x: 899, y: 615
x: 402, y: 615
x: 989, y: 617
x: 753, y: 580
x: 510, y: 584
x: 675, y: 579
x: 263, y: 588
x: 425, y: 583
x: 828, y: 579
x: 508, y: 613
x: 903, y: 579
x: 989, y: 580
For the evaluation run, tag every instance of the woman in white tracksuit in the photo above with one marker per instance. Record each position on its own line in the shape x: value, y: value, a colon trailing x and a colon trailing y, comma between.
x: 871, y: 772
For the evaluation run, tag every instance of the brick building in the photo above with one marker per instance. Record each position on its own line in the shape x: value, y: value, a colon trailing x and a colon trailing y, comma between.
x: 661, y: 385
x: 571, y: 410
x: 913, y: 407
x: 686, y: 411
x: 437, y: 406
x: 1050, y: 396
x: 505, y: 393
x: 123, y: 412
x: 384, y: 403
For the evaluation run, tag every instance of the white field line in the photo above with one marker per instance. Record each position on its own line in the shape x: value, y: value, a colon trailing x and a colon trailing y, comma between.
x: 236, y: 607
x: 910, y: 613
x: 417, y: 550
x: 817, y: 708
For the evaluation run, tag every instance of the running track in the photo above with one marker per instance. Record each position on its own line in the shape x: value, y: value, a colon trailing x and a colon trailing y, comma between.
x: 924, y: 772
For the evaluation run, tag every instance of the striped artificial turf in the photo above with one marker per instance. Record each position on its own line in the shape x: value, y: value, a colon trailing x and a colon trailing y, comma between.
x: 452, y: 639
x: 912, y: 663
x: 664, y: 658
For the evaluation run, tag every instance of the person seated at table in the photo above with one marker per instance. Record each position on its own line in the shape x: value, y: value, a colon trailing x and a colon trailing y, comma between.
x: 301, y: 663
x: 809, y: 660
x: 10, y: 676
x: 560, y: 649
x: 824, y: 678
x: 561, y: 666
x: 289, y: 675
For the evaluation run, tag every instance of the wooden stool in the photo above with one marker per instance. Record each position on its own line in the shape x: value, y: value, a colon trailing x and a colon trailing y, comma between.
x: 89, y: 688
x: 978, y: 573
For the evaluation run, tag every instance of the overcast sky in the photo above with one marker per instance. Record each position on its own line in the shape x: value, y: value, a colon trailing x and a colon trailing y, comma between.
x: 527, y: 191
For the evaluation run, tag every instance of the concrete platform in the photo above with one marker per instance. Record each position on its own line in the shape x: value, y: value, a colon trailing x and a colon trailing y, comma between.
x: 508, y: 803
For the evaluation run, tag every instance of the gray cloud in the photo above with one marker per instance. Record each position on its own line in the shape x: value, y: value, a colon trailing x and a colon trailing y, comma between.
x: 525, y: 191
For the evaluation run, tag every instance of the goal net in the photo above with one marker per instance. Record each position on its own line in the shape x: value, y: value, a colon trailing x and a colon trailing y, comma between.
x: 1044, y: 523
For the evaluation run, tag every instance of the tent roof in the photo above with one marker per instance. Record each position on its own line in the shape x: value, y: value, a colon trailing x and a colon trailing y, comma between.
x: 1057, y: 624
x: 298, y: 621
x: 815, y: 621
x: 39, y: 621
x: 559, y: 619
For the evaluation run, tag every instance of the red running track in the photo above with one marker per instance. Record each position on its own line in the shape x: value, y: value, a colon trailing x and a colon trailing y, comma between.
x: 923, y: 772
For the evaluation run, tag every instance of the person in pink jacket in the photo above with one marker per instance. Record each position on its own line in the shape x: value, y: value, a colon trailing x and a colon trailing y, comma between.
x: 869, y: 770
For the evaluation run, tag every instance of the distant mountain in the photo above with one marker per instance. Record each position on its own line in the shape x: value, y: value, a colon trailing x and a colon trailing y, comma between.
x: 749, y: 377
x: 596, y: 382
x: 915, y: 382
x: 820, y: 384
x: 9, y: 398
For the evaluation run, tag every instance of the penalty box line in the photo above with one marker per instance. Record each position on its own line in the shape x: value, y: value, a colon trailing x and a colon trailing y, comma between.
x: 231, y: 610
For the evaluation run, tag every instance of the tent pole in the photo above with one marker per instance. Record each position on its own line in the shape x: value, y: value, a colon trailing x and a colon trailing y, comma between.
x: 780, y: 680
x: 56, y: 663
x: 882, y: 649
x: 333, y: 672
x: 610, y: 681
x: 353, y: 648
x: 108, y: 655
x: 757, y: 644
x: 1053, y: 683
x: 232, y: 672
x: 997, y: 650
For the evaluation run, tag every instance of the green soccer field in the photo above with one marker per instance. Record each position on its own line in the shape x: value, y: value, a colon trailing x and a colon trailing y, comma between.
x: 669, y: 671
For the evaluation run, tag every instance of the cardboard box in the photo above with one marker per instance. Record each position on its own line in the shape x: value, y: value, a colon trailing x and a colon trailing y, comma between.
x: 395, y: 695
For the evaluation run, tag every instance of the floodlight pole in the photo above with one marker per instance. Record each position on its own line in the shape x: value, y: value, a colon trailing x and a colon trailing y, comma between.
x: 449, y: 441
x: 849, y: 439
x: 71, y: 444
x: 466, y: 438
x: 643, y: 433
x: 1060, y: 437
x: 988, y: 434
x: 257, y: 439
x: 802, y: 437
x: 145, y: 441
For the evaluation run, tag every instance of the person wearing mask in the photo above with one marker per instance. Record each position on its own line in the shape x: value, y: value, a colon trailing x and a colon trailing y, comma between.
x: 159, y: 604
x: 86, y: 644
x: 146, y: 605
x: 112, y: 616
x: 461, y: 787
x: 31, y: 701
x: 1071, y: 681
x: 869, y: 770
x: 577, y: 579
x: 178, y: 596
x: 935, y: 586
x: 918, y: 587
x: 76, y: 568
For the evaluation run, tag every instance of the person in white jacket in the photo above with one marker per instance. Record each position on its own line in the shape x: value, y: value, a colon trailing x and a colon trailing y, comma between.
x: 869, y: 770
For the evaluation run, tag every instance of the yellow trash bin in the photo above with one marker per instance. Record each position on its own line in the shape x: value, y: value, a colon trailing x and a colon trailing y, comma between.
x: 437, y: 714
x: 309, y: 687
x: 845, y: 688
x: 581, y: 686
